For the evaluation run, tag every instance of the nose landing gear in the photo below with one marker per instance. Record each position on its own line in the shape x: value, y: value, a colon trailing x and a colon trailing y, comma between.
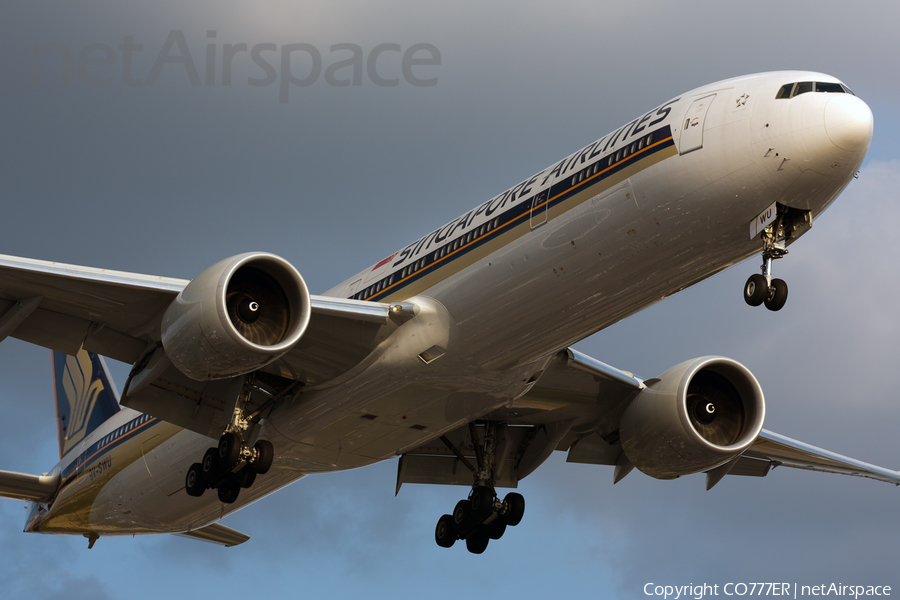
x: 762, y: 288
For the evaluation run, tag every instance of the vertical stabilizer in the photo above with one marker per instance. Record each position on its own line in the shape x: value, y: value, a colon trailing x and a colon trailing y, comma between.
x: 85, y: 396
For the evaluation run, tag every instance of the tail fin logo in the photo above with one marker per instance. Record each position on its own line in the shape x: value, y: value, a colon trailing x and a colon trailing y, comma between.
x: 81, y: 392
x: 85, y: 397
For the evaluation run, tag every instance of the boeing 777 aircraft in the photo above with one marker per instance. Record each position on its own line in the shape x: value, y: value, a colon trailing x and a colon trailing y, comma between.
x: 454, y: 353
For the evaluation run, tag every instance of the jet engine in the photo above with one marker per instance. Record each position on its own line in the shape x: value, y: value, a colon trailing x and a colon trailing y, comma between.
x: 692, y: 418
x: 239, y: 315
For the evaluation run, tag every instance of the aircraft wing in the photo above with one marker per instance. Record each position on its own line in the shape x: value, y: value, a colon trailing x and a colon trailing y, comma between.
x: 779, y: 450
x: 116, y: 314
x: 575, y: 406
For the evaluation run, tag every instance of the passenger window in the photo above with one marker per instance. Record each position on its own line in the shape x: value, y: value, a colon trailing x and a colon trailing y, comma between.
x: 803, y: 87
x: 785, y: 91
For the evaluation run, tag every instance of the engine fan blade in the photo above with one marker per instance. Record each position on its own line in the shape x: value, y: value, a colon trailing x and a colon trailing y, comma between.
x: 257, y: 307
x: 715, y: 408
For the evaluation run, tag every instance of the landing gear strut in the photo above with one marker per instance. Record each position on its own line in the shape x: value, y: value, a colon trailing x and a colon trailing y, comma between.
x: 482, y: 516
x: 232, y: 464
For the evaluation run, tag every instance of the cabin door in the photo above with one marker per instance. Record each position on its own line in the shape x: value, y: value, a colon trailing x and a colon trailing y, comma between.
x: 692, y: 124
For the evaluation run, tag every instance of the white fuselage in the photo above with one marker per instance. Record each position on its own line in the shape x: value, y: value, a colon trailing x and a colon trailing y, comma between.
x: 648, y: 210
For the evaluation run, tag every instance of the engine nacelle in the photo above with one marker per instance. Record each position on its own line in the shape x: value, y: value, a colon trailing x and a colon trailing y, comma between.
x: 694, y: 417
x: 239, y: 315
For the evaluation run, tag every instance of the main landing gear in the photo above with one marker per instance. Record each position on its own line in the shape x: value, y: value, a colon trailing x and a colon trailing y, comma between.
x: 479, y: 519
x: 482, y: 517
x: 232, y: 464
x: 229, y: 467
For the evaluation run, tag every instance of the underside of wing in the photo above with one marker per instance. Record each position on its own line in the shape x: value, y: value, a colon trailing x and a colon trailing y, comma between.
x: 575, y: 404
x: 702, y: 416
x: 67, y: 307
x: 191, y: 342
x: 777, y: 450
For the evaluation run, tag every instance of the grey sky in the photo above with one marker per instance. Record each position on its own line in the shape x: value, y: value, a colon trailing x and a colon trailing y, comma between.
x: 169, y: 178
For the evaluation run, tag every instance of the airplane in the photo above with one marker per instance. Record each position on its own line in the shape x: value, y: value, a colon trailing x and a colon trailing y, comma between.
x: 453, y: 353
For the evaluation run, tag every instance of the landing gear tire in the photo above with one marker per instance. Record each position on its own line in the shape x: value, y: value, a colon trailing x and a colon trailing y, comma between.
x: 462, y: 517
x: 515, y: 508
x: 247, y: 477
x: 264, y: 457
x: 209, y: 468
x: 229, y: 450
x: 777, y: 296
x: 194, y: 484
x: 445, y: 532
x: 477, y: 542
x: 228, y: 491
x: 755, y: 290
x: 496, y: 529
x: 481, y: 501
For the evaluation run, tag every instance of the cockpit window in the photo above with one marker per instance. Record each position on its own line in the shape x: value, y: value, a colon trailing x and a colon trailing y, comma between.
x: 803, y: 87
x: 785, y: 91
x: 790, y: 90
x: 830, y: 88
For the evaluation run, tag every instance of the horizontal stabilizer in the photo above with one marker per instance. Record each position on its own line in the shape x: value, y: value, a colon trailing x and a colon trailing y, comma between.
x: 217, y: 534
x: 20, y: 486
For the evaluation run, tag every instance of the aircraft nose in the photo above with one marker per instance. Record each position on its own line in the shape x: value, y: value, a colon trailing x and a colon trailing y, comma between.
x: 848, y: 122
